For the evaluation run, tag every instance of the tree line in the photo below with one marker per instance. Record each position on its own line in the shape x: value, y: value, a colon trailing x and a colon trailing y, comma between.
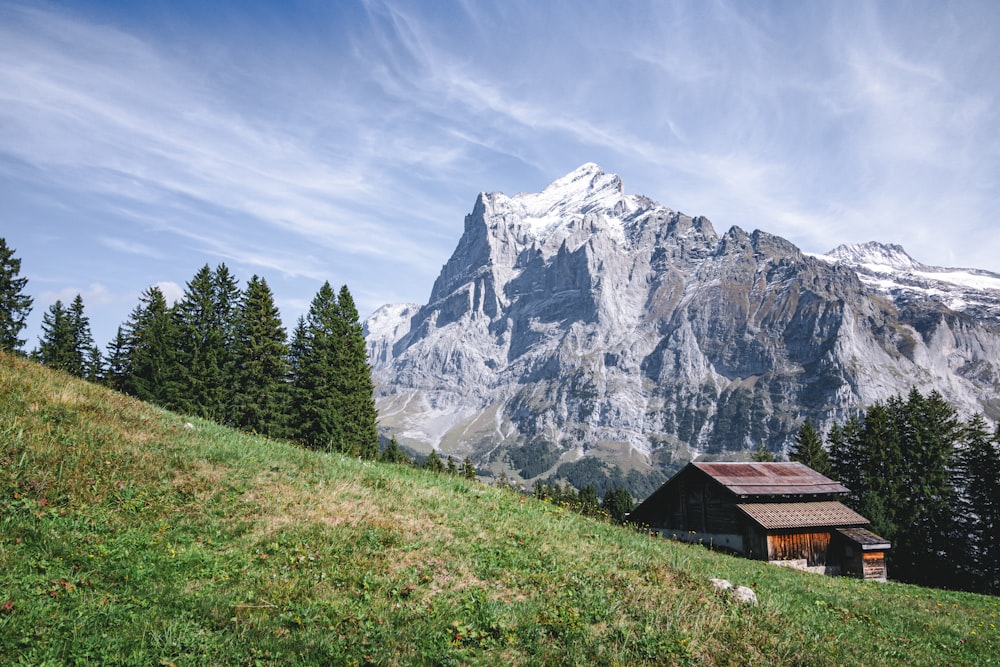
x: 221, y: 353
x: 929, y: 482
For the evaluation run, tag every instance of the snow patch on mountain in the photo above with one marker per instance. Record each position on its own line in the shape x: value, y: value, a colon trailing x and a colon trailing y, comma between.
x: 567, y: 200
x: 888, y: 269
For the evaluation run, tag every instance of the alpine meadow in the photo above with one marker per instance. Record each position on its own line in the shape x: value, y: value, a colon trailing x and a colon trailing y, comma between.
x: 132, y: 535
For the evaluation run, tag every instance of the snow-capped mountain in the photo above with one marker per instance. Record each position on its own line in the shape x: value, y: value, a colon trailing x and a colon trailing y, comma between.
x: 585, y: 321
x: 888, y: 269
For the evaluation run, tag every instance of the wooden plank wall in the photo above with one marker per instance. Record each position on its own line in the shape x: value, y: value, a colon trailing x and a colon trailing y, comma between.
x: 792, y: 546
x: 708, y: 508
x: 874, y: 565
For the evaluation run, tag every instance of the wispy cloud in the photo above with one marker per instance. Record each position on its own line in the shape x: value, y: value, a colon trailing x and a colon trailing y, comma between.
x: 122, y: 119
x: 347, y: 144
x: 131, y: 247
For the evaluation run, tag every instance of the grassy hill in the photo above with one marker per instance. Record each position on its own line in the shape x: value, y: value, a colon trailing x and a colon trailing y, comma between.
x: 129, y: 537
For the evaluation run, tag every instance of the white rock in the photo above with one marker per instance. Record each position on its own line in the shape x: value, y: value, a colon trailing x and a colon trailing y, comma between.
x: 745, y: 595
x: 721, y: 584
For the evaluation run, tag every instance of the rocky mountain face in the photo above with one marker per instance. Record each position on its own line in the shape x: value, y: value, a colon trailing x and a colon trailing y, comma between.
x: 585, y: 322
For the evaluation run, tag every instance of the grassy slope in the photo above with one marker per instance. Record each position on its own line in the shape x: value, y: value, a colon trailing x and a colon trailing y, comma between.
x: 127, y: 538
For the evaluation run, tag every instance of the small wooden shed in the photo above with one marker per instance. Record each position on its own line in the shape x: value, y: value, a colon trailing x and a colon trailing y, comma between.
x: 784, y: 513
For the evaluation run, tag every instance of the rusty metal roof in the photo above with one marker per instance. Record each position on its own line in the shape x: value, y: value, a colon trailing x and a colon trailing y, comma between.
x: 866, y: 539
x: 770, y: 479
x: 825, y: 513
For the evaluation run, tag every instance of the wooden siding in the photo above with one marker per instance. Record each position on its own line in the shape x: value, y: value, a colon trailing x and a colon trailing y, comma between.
x: 691, y: 502
x: 873, y: 564
x: 707, y: 508
x: 813, y: 547
x: 756, y: 543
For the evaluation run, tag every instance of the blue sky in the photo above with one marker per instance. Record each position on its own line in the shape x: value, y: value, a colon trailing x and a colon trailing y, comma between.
x: 346, y: 141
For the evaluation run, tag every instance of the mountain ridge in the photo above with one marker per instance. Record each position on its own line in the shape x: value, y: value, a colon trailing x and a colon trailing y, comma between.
x: 583, y: 321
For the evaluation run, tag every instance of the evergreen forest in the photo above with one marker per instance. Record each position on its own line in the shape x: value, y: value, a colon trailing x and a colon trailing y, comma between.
x: 220, y: 353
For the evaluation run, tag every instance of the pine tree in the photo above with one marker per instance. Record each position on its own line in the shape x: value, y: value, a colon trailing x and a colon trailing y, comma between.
x: 14, y: 304
x: 57, y: 348
x: 898, y: 464
x: 228, y: 302
x: 94, y: 367
x: 762, y: 454
x: 315, y: 411
x: 117, y: 364
x: 66, y: 342
x: 433, y: 462
x: 617, y: 503
x: 333, y: 394
x: 393, y: 453
x: 203, y: 321
x: 880, y: 467
x: 468, y: 470
x: 150, y: 337
x: 978, y: 473
x: 258, y: 397
x: 86, y: 364
x: 808, y: 450
x: 845, y: 456
x: 925, y: 543
x: 356, y: 389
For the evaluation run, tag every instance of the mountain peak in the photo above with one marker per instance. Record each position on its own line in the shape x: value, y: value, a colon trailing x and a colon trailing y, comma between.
x: 885, y: 256
x: 586, y: 189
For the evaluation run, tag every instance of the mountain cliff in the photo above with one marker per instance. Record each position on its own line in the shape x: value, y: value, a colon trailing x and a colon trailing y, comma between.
x: 584, y: 321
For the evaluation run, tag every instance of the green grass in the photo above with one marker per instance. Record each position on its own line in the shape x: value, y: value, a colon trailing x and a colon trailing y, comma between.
x: 128, y: 538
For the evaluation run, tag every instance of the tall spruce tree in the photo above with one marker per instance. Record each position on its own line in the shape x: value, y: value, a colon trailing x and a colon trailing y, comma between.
x: 87, y: 354
x: 228, y: 303
x: 117, y: 362
x: 94, y: 366
x: 57, y: 345
x: 978, y: 475
x: 14, y: 304
x: 808, y: 450
x: 315, y: 415
x: 333, y: 406
x: 66, y: 342
x: 150, y: 339
x: 845, y: 456
x: 201, y: 346
x: 259, y: 397
x: 356, y: 389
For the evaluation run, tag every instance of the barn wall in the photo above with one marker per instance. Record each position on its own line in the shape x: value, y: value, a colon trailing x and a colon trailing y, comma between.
x: 812, y: 546
x: 755, y: 540
x: 852, y: 562
x: 691, y: 502
x: 707, y: 507
x: 873, y: 563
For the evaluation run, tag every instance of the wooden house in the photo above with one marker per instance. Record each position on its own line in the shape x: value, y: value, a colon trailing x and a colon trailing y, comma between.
x: 784, y: 513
